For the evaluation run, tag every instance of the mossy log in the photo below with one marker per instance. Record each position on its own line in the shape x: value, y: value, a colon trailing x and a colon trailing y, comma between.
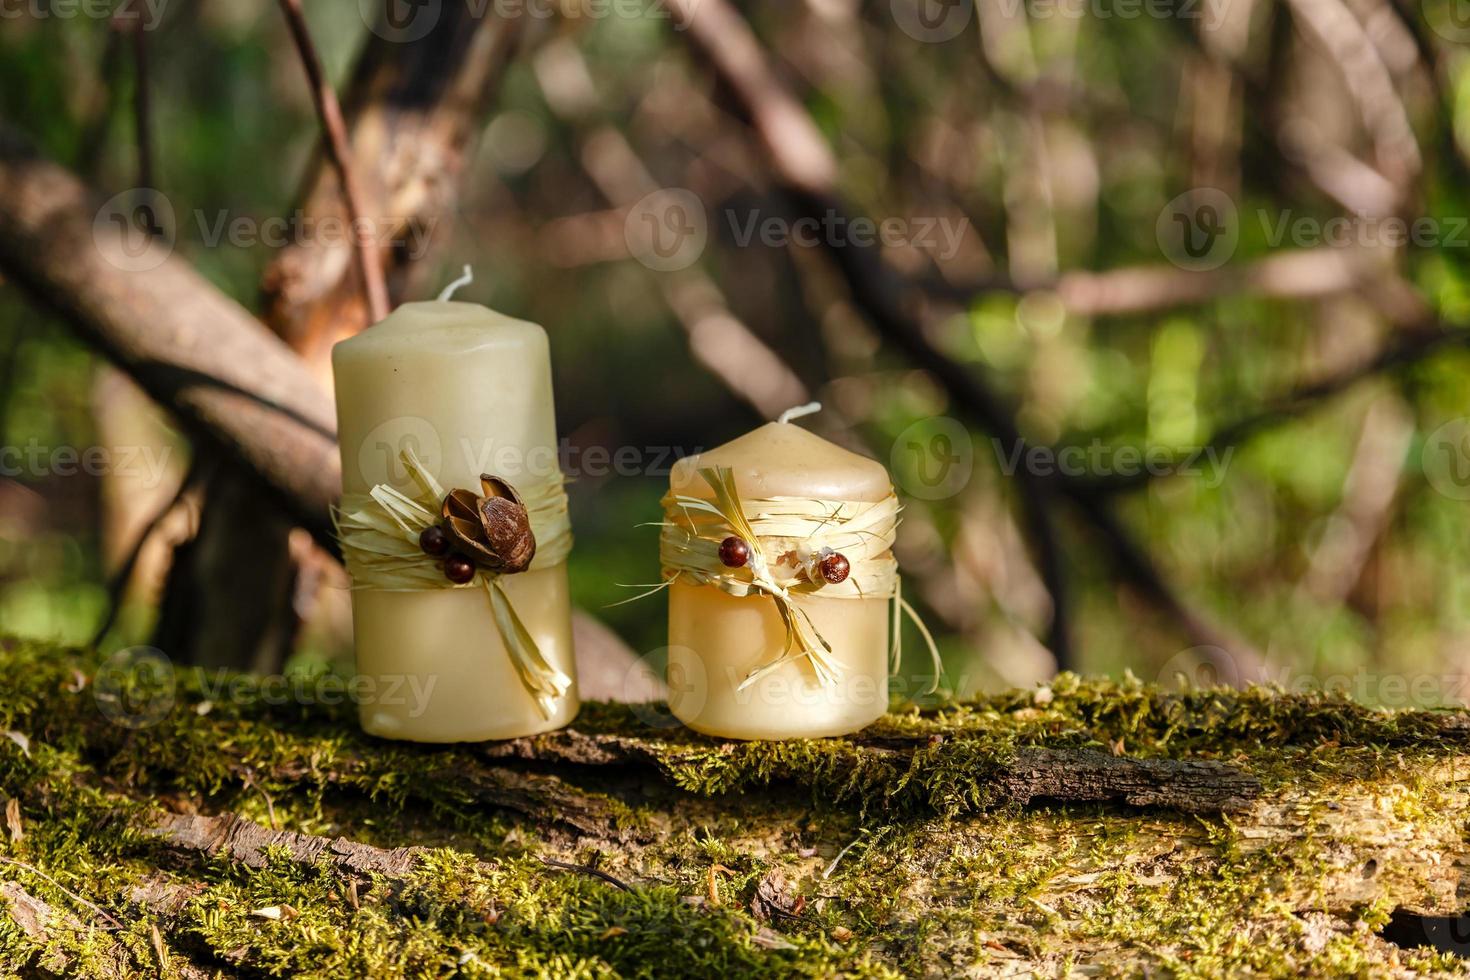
x: 208, y: 826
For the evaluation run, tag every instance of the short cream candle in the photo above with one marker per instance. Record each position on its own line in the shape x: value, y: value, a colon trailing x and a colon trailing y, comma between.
x: 730, y: 671
x: 468, y: 392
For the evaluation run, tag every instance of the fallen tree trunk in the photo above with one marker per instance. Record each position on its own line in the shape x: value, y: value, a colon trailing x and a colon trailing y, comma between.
x: 240, y: 826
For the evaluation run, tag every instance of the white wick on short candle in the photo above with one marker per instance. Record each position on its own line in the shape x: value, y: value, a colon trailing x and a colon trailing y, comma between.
x: 452, y: 288
x: 800, y: 411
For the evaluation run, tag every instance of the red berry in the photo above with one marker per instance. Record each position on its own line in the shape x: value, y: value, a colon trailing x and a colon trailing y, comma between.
x: 458, y: 569
x: 734, y: 552
x: 835, y: 568
x: 434, y: 541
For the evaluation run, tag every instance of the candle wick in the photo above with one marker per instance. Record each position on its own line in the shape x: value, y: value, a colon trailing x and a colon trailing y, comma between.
x: 464, y: 280
x: 810, y: 408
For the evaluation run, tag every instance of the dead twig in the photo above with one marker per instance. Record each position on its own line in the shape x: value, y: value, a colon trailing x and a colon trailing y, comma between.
x: 587, y: 870
x: 334, y: 140
x: 112, y: 920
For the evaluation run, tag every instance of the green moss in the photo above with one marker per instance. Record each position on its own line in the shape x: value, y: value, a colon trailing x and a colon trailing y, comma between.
x: 903, y: 861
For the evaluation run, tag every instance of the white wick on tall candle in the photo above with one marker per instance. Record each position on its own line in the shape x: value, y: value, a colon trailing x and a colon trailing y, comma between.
x: 800, y: 412
x: 464, y: 280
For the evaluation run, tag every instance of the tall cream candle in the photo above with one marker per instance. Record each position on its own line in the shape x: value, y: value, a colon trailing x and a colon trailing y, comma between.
x: 717, y: 639
x: 469, y: 392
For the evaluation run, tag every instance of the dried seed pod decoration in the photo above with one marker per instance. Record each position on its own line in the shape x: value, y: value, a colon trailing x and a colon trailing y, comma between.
x: 507, y: 525
x: 493, y: 528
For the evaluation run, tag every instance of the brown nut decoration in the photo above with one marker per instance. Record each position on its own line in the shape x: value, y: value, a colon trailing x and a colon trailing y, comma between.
x: 493, y: 528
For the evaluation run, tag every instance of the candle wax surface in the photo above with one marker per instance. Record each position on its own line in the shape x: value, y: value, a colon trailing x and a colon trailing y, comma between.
x: 469, y: 390
x: 716, y: 639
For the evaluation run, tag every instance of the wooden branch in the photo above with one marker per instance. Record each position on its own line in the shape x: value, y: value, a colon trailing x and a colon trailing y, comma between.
x: 246, y: 842
x: 1299, y: 274
x: 413, y: 110
x: 38, y: 922
x: 142, y: 93
x: 190, y: 347
x: 334, y: 139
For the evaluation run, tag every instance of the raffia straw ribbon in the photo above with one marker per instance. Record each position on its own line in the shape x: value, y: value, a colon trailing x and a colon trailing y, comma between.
x: 379, y: 532
x: 784, y: 535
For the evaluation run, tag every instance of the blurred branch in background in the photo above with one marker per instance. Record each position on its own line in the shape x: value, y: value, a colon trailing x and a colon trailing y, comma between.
x: 190, y: 347
x: 719, y: 341
x: 339, y: 152
x: 1409, y: 347
x: 392, y: 165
